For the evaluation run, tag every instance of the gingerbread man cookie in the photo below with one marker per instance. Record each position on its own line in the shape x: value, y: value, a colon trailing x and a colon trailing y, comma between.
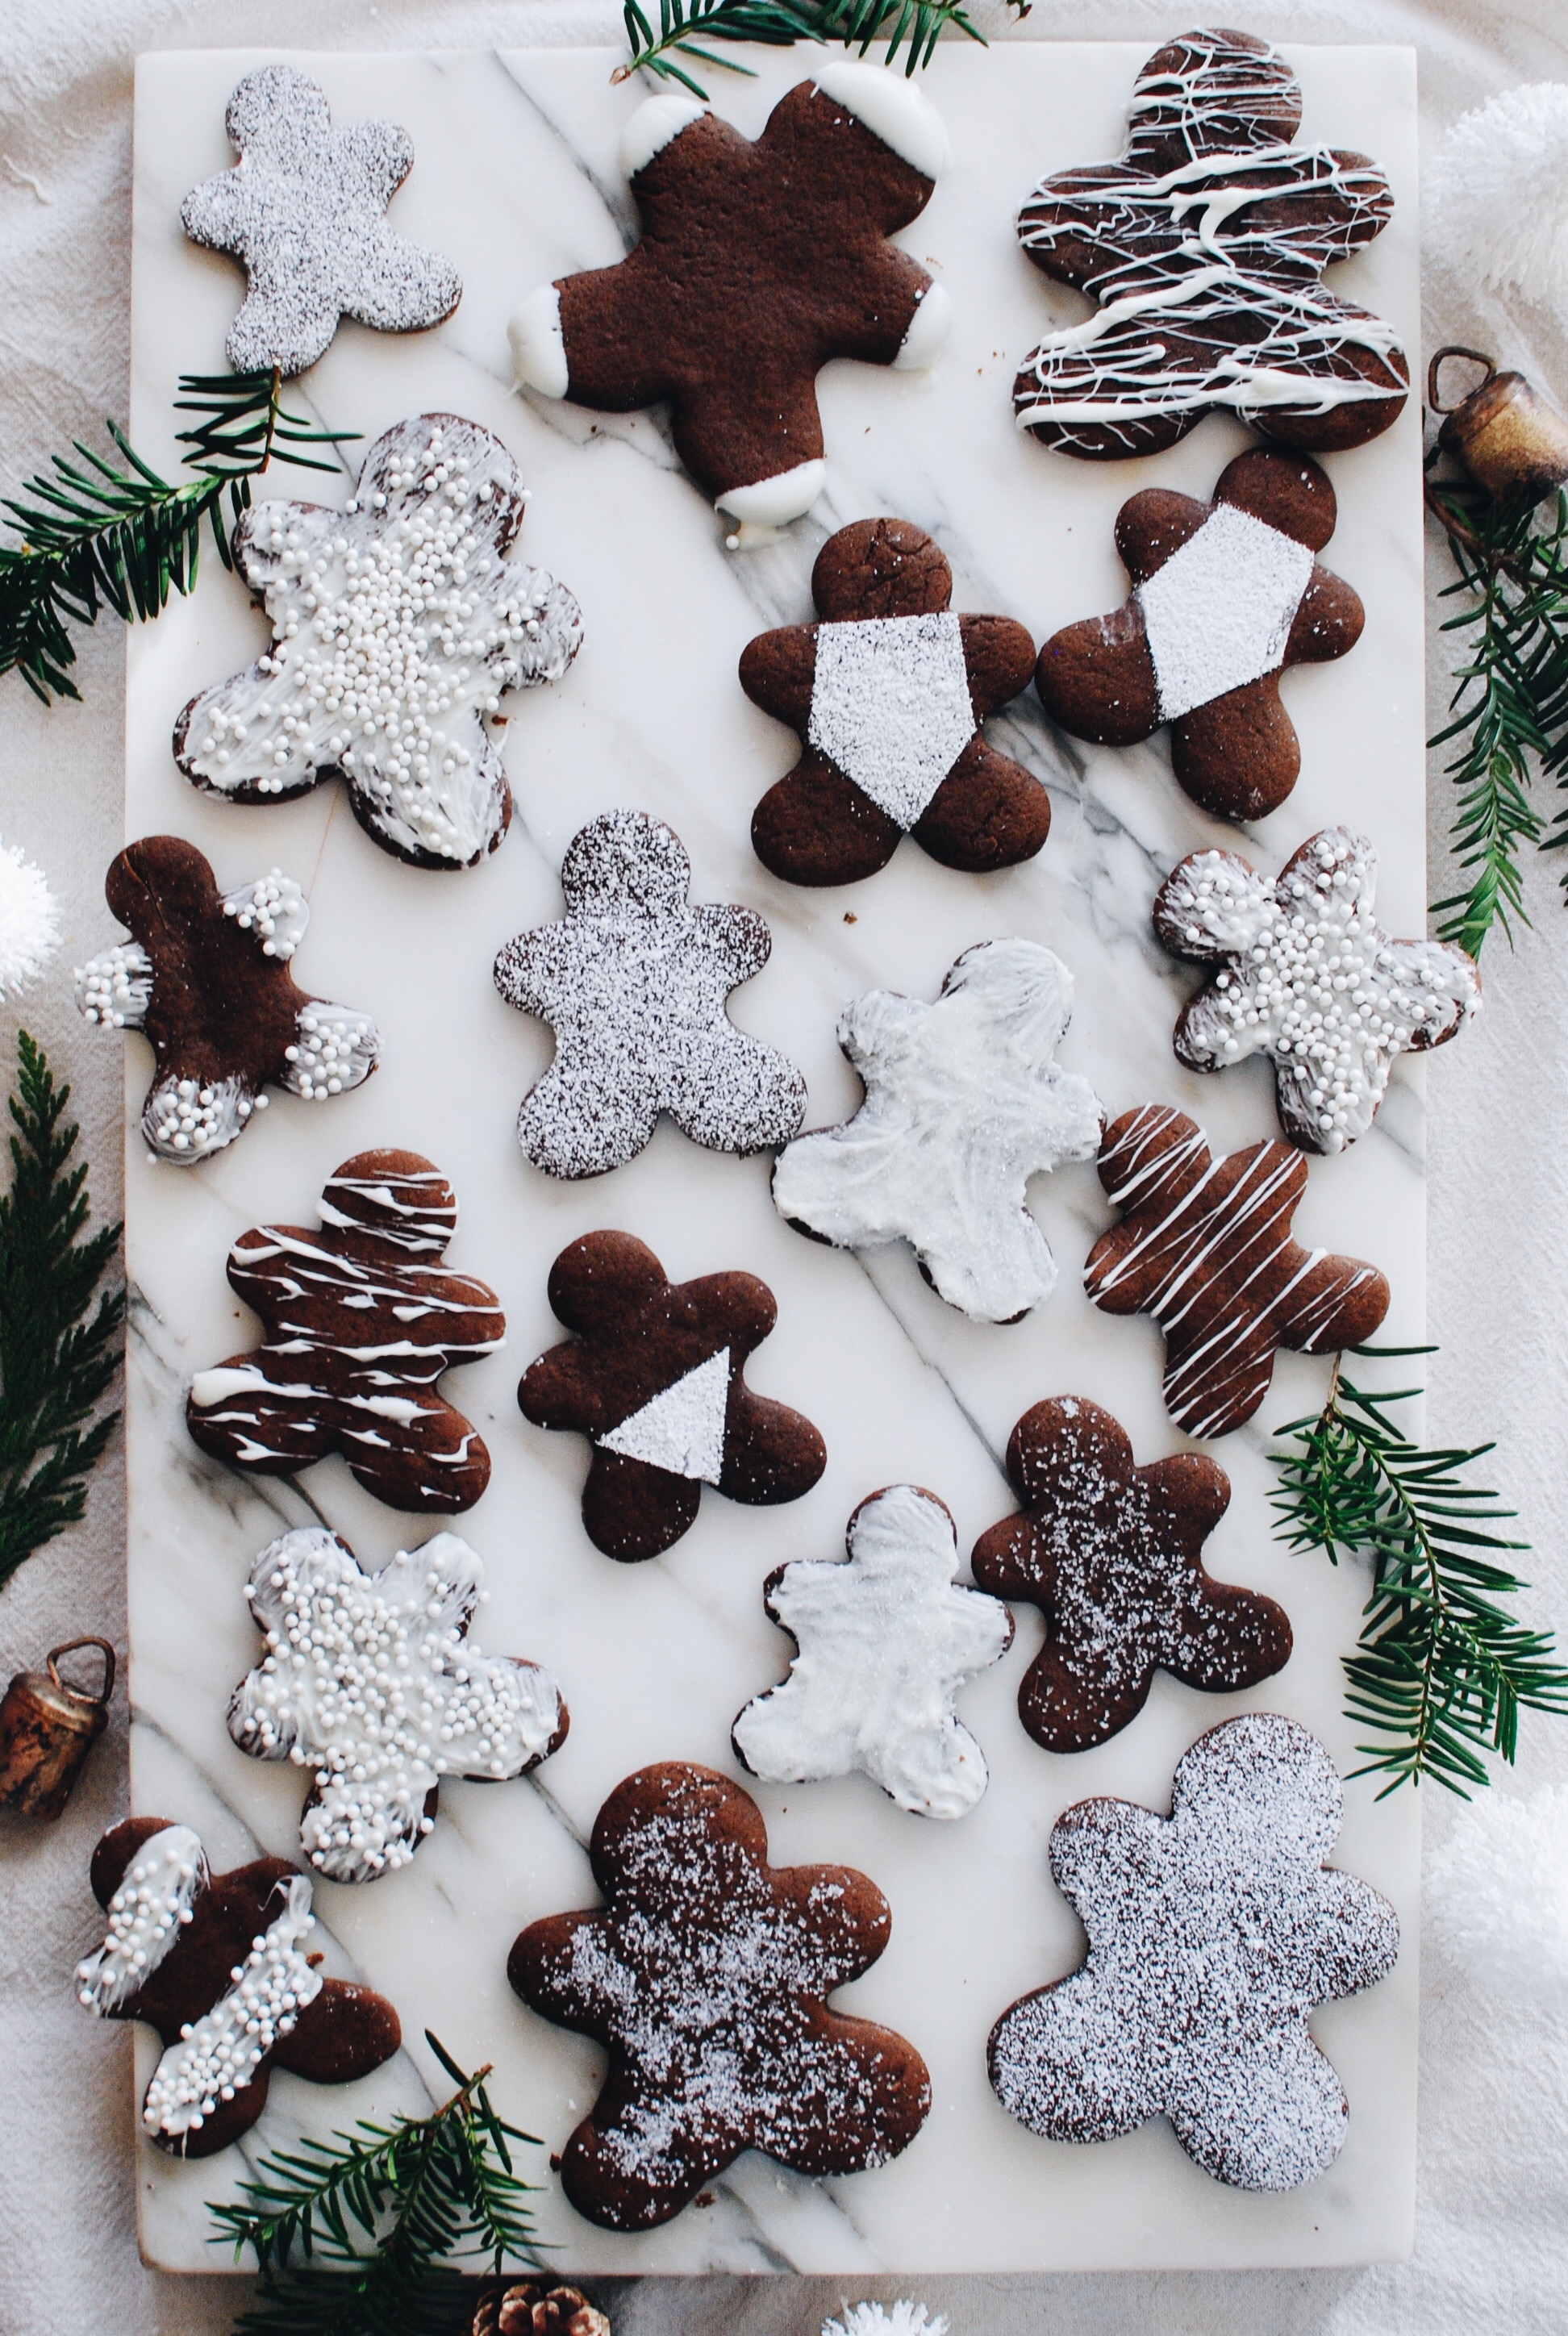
x: 359, y: 1320
x: 1205, y: 1246
x: 1309, y: 978
x: 1213, y: 1932
x: 399, y: 626
x: 759, y: 261
x: 371, y: 1683
x: 964, y: 1102
x: 1202, y: 250
x: 634, y: 981
x: 1225, y: 594
x: 304, y: 215
x: 707, y: 1975
x: 206, y: 974
x: 884, y: 1644
x: 218, y: 1963
x: 1112, y: 1556
x: 655, y: 1376
x: 888, y: 692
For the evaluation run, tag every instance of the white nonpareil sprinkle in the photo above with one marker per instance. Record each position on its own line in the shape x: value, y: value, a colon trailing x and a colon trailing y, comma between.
x: 29, y: 921
x: 275, y: 908
x: 145, y: 1917
x: 115, y: 990
x: 901, y: 2319
x: 1496, y: 1894
x: 218, y: 2055
x: 369, y: 1683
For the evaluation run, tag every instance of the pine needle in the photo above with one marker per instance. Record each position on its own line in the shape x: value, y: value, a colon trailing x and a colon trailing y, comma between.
x: 56, y: 1357
x: 1441, y: 1669
x: 912, y: 26
x: 96, y: 534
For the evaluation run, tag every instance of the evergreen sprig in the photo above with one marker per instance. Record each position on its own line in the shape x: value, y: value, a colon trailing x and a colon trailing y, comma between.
x: 96, y: 533
x: 356, y: 2236
x: 912, y: 26
x: 1510, y: 704
x: 57, y: 1357
x: 1440, y: 1670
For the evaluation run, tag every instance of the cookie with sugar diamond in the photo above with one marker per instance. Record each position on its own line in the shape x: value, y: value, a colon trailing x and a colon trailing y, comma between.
x: 1225, y: 595
x: 888, y: 691
x: 655, y: 1377
x: 634, y: 982
x: 1112, y: 1556
x: 1214, y: 1932
x: 759, y: 261
x: 206, y: 974
x: 305, y: 214
x: 221, y: 1964
x: 707, y: 1975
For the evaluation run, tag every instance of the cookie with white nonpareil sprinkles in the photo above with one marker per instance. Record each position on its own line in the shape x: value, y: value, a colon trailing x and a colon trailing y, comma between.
x: 1309, y: 978
x: 371, y: 1683
x: 400, y: 626
x: 221, y: 1965
x: 1212, y: 1933
x: 635, y: 981
x: 707, y: 1975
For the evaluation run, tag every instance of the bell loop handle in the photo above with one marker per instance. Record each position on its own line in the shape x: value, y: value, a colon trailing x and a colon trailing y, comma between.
x: 1440, y: 356
x: 68, y: 1687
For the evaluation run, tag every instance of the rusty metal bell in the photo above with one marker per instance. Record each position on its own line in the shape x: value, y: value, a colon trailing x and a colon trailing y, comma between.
x: 1503, y: 433
x: 47, y: 1728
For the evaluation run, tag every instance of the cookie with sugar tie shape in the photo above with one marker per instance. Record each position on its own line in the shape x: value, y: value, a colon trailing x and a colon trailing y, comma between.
x: 1225, y: 595
x: 655, y: 1377
x: 1205, y: 1246
x: 759, y: 260
x: 708, y: 1976
x: 1112, y: 1556
x: 888, y: 692
x: 1202, y: 250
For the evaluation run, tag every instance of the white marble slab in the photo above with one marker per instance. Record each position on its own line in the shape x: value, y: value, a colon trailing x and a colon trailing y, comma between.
x: 516, y: 180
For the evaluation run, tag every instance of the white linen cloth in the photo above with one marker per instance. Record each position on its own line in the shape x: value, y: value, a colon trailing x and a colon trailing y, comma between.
x: 1492, y: 2250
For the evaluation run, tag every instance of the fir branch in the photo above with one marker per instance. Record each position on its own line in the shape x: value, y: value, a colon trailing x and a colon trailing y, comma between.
x: 56, y: 1358
x: 913, y: 26
x: 356, y: 2236
x: 1440, y: 1670
x: 96, y: 534
x: 1510, y: 704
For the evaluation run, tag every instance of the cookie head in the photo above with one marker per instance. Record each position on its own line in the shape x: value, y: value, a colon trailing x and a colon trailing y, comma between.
x: 1210, y: 92
x: 881, y: 568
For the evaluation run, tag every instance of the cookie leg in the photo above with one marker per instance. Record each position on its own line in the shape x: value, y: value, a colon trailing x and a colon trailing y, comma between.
x: 1238, y: 757
x: 817, y: 827
x: 432, y: 1463
x: 272, y: 1433
x: 1068, y: 1711
x: 341, y: 2035
x: 988, y: 812
x: 631, y: 1511
x: 771, y: 1453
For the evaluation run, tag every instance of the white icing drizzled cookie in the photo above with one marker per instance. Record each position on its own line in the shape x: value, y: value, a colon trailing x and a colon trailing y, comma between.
x: 964, y: 1103
x: 304, y: 215
x: 1212, y: 1933
x: 399, y: 626
x: 886, y: 1643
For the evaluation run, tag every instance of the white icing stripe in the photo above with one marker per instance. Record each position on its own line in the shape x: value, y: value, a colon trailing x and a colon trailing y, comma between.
x: 930, y: 327
x: 892, y: 109
x: 681, y: 1429
x: 773, y: 502
x: 1218, y: 613
x: 220, y: 2055
x: 890, y: 705
x: 538, y: 344
x: 145, y: 1917
x: 649, y: 131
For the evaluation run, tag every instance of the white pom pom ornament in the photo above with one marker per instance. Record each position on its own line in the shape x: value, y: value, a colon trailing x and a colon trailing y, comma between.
x: 29, y: 921
x: 1497, y: 1895
x: 872, y: 2319
x: 1496, y: 196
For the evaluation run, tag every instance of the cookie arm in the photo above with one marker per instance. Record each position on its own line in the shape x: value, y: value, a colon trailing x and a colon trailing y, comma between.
x: 1000, y: 657
x: 777, y: 671
x: 1328, y: 621
x: 342, y: 2034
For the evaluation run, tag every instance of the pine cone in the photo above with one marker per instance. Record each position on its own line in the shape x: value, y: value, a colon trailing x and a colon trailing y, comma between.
x: 530, y: 2307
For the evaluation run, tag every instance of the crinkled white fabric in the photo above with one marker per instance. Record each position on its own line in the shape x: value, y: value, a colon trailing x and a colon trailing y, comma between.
x: 1494, y: 2186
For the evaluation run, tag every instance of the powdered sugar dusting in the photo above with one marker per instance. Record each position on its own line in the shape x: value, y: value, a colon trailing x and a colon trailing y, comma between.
x: 1218, y: 612
x: 890, y: 705
x: 681, y: 1429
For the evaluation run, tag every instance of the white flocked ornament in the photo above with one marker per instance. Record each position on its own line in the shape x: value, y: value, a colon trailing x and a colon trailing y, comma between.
x: 1496, y: 194
x: 1496, y: 1894
x: 900, y: 2318
x: 29, y: 921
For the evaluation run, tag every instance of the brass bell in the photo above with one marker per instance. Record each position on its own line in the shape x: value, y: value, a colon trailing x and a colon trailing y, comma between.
x: 47, y: 1728
x: 1503, y: 433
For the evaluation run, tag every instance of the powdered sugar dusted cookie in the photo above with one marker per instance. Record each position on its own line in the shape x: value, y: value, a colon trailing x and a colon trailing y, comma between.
x: 706, y: 1974
x: 1203, y: 248
x: 1205, y: 1246
x: 963, y: 1104
x: 888, y: 692
x: 1212, y: 1933
x: 221, y: 1965
x: 1112, y: 1556
x: 371, y: 1683
x: 1310, y: 980
x: 206, y: 974
x: 360, y: 1319
x: 759, y: 260
x: 304, y: 215
x: 655, y: 1378
x: 634, y: 981
x: 885, y: 1642
x: 1225, y: 594
x: 399, y: 626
